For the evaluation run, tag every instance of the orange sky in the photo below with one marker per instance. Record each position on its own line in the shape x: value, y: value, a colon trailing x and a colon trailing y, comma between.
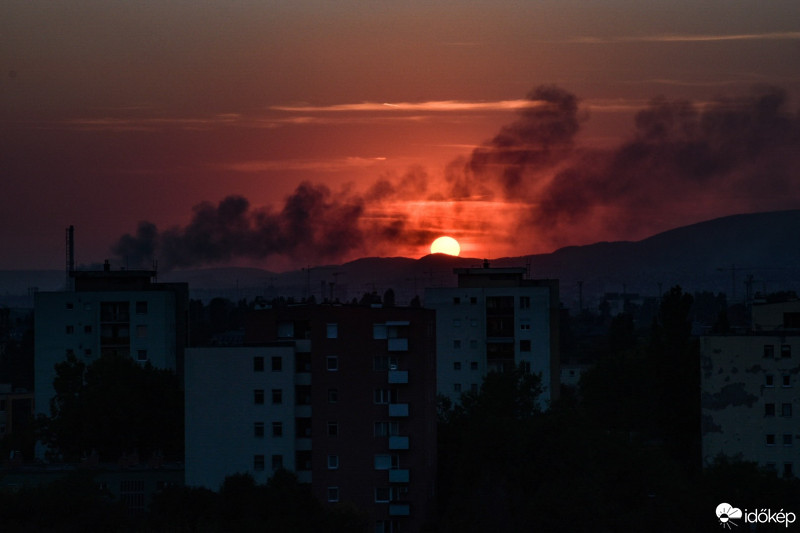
x: 114, y: 114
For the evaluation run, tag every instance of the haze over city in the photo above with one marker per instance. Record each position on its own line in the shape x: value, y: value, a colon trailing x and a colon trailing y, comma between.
x: 280, y: 135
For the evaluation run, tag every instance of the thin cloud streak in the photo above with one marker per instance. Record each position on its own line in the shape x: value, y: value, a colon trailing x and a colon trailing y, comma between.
x: 432, y: 106
x: 669, y: 38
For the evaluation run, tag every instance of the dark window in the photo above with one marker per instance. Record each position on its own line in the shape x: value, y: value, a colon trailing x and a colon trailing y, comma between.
x: 770, y: 439
x: 769, y: 380
x: 769, y: 350
x: 277, y: 363
x: 786, y: 350
x: 332, y: 363
x: 277, y: 396
x: 769, y: 409
x: 788, y: 470
x: 787, y: 380
x: 277, y: 462
x: 141, y: 355
x: 524, y: 302
x: 258, y: 396
x: 456, y: 366
x: 141, y: 308
x: 333, y: 395
x: 70, y: 330
x: 473, y: 365
x: 87, y: 329
x: 258, y: 429
x: 258, y: 462
x: 258, y: 364
x: 277, y: 429
x: 473, y: 300
x: 787, y: 439
x: 333, y: 429
x: 525, y: 345
x: 786, y: 409
x: 456, y: 300
x: 791, y: 320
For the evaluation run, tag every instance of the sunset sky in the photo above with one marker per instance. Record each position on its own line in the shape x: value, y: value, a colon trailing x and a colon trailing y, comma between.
x: 283, y: 134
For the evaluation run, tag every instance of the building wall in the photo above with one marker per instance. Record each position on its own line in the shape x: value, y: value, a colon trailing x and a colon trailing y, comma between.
x: 751, y: 399
x: 222, y: 413
x: 372, y: 373
x: 464, y: 336
x: 72, y: 322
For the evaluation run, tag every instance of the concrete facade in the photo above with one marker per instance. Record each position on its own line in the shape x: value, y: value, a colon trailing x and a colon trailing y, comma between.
x: 751, y: 391
x: 495, y: 319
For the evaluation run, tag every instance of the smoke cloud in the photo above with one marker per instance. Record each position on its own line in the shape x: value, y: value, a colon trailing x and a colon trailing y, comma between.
x: 683, y: 162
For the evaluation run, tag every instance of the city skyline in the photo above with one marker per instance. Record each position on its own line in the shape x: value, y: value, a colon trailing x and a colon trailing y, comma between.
x: 278, y: 135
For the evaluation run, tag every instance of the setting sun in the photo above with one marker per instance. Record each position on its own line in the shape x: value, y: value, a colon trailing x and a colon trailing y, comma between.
x: 445, y: 245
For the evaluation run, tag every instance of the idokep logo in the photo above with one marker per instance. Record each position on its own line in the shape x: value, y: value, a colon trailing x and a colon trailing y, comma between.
x: 727, y: 513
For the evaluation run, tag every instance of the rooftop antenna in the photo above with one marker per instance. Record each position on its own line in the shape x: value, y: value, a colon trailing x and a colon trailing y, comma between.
x: 70, y: 256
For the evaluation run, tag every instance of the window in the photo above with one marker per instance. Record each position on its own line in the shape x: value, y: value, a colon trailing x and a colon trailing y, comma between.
x: 70, y: 330
x: 332, y: 363
x: 787, y: 380
x: 769, y: 351
x: 258, y: 364
x: 788, y: 470
x: 70, y: 351
x: 457, y: 366
x: 384, y: 362
x: 385, y: 396
x: 787, y: 439
x: 277, y: 363
x: 381, y: 494
x: 473, y: 365
x: 474, y: 388
x: 387, y: 429
x: 473, y: 344
x: 770, y: 439
x: 333, y: 462
x: 769, y: 409
x: 277, y: 396
x: 524, y: 302
x: 87, y: 351
x: 457, y: 344
x: 258, y: 396
x: 141, y: 308
x: 379, y: 331
x: 473, y: 300
x: 141, y: 331
x: 333, y: 395
x: 69, y: 305
x: 258, y: 429
x: 786, y: 409
x: 456, y: 322
x: 332, y: 331
x: 525, y: 366
x: 333, y: 429
x: 258, y: 463
x: 456, y: 300
x: 277, y: 462
x: 769, y: 380
x: 385, y: 461
x: 87, y: 329
x: 525, y: 345
x: 786, y: 352
x: 457, y: 387
x: 525, y: 325
x: 285, y: 330
x: 141, y: 355
x: 333, y: 494
x: 277, y: 429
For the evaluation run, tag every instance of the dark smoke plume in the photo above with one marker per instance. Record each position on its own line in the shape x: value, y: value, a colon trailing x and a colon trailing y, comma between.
x: 685, y: 162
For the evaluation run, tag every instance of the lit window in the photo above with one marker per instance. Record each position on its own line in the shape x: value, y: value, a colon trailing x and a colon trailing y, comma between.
x: 332, y: 363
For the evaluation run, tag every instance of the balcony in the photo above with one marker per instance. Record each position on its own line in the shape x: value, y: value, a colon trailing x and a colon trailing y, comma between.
x: 398, y: 443
x: 398, y: 376
x: 398, y: 410
x: 399, y: 509
x: 398, y: 345
x: 399, y: 476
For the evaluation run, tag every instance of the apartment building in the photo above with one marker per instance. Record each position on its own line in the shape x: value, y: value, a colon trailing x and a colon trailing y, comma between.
x: 109, y: 311
x: 493, y: 320
x: 750, y: 390
x: 343, y: 395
